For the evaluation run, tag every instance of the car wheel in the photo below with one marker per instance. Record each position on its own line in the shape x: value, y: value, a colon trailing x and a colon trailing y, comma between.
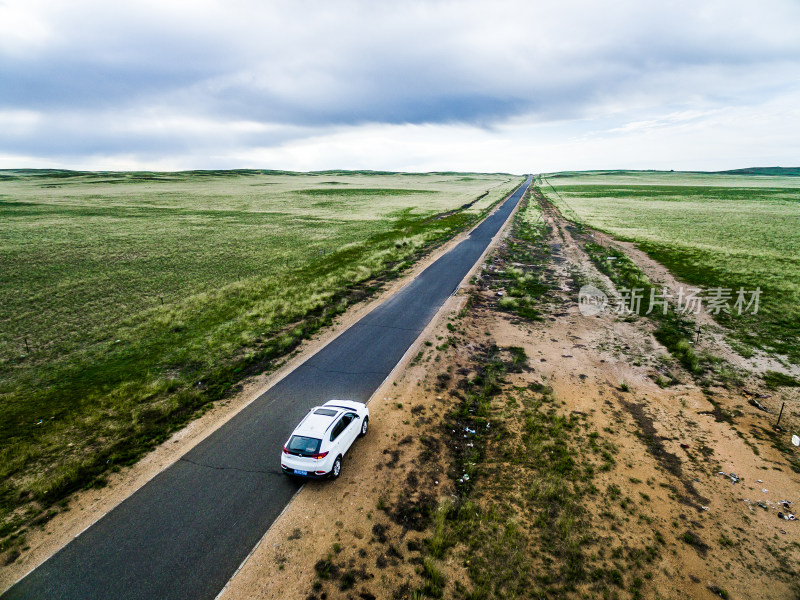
x: 337, y: 467
x: 364, y: 427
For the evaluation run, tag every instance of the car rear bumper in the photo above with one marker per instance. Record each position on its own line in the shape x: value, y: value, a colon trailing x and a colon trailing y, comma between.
x: 308, y: 475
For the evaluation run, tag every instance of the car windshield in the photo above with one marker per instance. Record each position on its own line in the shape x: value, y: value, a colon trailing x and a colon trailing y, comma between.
x: 304, y: 445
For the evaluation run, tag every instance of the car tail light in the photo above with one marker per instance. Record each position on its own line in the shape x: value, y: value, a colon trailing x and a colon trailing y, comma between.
x: 319, y: 472
x: 286, y: 450
x: 319, y: 455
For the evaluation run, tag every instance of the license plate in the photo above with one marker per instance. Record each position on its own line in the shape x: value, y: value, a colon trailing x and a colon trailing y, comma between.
x: 299, y: 472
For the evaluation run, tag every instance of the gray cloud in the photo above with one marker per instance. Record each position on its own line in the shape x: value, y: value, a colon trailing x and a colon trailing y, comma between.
x: 104, y: 78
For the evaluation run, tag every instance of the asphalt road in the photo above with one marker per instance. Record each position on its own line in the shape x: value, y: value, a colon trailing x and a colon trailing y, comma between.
x: 185, y: 533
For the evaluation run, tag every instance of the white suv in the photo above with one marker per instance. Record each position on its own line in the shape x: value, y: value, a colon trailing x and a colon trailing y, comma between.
x: 323, y: 437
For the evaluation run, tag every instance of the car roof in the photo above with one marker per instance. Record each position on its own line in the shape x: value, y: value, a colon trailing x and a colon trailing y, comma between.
x: 315, y: 425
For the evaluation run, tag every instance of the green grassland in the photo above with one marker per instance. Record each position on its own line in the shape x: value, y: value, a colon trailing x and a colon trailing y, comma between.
x: 711, y: 230
x: 128, y: 301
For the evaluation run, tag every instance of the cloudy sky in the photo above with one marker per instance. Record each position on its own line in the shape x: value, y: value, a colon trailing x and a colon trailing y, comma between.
x: 521, y: 86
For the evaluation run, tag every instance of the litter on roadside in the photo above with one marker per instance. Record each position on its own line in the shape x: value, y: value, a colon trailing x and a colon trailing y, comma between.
x: 732, y: 476
x: 758, y: 405
x: 796, y: 440
x: 786, y: 517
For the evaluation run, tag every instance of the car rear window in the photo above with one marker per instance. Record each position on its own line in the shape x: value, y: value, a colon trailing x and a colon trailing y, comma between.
x: 326, y: 412
x: 304, y: 445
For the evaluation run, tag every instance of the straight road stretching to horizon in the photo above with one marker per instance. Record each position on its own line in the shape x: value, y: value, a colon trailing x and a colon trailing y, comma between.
x: 185, y: 533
